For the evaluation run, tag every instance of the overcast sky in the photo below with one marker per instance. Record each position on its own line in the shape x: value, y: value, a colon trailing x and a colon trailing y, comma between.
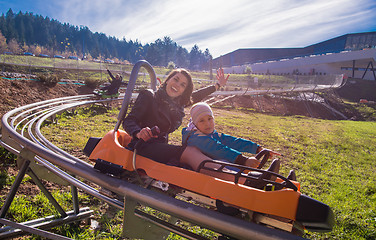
x: 222, y: 26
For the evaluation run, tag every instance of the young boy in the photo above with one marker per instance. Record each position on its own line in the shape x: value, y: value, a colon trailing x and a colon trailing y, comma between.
x: 201, y: 134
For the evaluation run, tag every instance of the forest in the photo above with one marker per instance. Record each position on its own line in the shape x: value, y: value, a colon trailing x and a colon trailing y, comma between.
x: 28, y: 33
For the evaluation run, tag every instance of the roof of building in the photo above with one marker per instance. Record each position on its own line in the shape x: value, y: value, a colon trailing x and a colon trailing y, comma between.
x: 352, y: 41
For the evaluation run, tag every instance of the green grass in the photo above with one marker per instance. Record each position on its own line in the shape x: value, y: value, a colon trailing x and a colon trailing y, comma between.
x: 366, y: 111
x: 63, y: 68
x: 96, y: 119
x: 334, y: 160
x: 88, y: 70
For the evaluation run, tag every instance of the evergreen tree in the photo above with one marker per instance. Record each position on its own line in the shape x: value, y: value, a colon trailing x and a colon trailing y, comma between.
x: 20, y: 27
x: 11, y: 28
x: 194, y: 57
x: 182, y: 57
x: 45, y: 35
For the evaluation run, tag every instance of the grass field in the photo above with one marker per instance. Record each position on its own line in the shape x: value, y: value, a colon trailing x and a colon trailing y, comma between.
x: 96, y: 71
x: 334, y: 160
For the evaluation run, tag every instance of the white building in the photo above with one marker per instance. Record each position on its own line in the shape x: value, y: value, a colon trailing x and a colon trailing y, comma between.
x: 350, y: 54
x: 356, y: 64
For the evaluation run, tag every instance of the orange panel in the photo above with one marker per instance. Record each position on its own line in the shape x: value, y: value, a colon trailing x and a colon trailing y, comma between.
x: 281, y: 203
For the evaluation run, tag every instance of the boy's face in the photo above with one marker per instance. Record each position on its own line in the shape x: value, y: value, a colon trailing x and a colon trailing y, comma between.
x: 206, y: 124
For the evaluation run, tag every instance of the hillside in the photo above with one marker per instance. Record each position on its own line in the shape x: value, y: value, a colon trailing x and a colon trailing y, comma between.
x: 16, y: 93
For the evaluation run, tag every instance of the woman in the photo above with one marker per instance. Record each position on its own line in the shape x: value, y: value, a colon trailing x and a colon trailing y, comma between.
x: 164, y: 109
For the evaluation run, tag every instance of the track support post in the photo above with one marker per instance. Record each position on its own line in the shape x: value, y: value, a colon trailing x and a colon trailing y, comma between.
x: 136, y: 227
x: 26, y: 164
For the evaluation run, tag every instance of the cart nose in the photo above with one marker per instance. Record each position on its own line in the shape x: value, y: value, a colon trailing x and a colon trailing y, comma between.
x: 314, y: 215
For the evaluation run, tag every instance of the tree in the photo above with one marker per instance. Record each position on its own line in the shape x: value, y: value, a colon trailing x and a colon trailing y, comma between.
x: 206, y: 61
x: 45, y: 35
x: 248, y: 70
x: 169, y: 48
x: 14, y: 47
x: 37, y: 50
x: 11, y: 32
x: 182, y: 57
x: 25, y: 48
x: 194, y: 59
x: 20, y: 27
x: 3, y: 43
x: 171, y: 65
x: 153, y: 54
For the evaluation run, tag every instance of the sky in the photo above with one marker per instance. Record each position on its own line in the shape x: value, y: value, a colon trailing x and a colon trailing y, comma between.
x: 222, y: 26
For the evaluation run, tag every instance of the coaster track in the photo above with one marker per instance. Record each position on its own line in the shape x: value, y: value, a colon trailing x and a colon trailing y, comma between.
x: 21, y: 134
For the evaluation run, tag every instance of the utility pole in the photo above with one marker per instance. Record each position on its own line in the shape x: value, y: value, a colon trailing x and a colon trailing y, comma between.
x: 83, y: 41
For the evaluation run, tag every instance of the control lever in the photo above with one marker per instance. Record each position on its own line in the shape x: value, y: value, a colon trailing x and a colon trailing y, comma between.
x: 155, y: 131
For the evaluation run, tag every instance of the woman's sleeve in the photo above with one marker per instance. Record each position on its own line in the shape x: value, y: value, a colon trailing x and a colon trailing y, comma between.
x: 201, y: 93
x: 212, y: 148
x: 112, y: 76
x: 131, y: 123
x: 240, y: 144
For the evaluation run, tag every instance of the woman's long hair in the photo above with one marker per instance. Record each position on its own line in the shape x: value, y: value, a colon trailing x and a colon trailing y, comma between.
x: 185, y: 98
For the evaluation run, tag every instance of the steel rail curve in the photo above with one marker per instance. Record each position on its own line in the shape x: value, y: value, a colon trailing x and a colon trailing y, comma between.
x: 21, y: 132
x: 64, y: 164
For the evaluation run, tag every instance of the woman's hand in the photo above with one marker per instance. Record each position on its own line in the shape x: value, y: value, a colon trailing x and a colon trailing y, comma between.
x: 145, y: 134
x: 222, y: 80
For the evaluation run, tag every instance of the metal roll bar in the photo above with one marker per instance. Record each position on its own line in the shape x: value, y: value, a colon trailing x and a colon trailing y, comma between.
x: 132, y: 84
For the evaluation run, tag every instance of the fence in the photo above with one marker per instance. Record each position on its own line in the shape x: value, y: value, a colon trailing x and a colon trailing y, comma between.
x: 238, y: 84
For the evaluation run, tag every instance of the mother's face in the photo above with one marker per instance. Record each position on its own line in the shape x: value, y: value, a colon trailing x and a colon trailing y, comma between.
x: 176, y: 85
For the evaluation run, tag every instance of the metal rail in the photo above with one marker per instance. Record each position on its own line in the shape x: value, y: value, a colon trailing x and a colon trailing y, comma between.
x: 28, y: 142
x: 65, y: 165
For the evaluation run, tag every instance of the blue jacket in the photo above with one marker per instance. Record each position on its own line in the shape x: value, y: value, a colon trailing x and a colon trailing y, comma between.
x: 218, y: 145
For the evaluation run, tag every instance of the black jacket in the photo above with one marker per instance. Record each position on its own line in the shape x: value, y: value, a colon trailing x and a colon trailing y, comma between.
x: 114, y: 86
x: 158, y: 109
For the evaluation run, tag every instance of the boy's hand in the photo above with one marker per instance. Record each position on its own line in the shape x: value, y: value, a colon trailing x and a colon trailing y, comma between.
x: 273, y: 153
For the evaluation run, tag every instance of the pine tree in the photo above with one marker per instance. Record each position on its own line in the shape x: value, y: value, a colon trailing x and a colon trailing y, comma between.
x: 45, y: 35
x: 11, y: 32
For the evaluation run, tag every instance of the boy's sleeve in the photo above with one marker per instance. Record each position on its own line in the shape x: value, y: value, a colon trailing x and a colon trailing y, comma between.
x: 240, y: 144
x: 211, y: 147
